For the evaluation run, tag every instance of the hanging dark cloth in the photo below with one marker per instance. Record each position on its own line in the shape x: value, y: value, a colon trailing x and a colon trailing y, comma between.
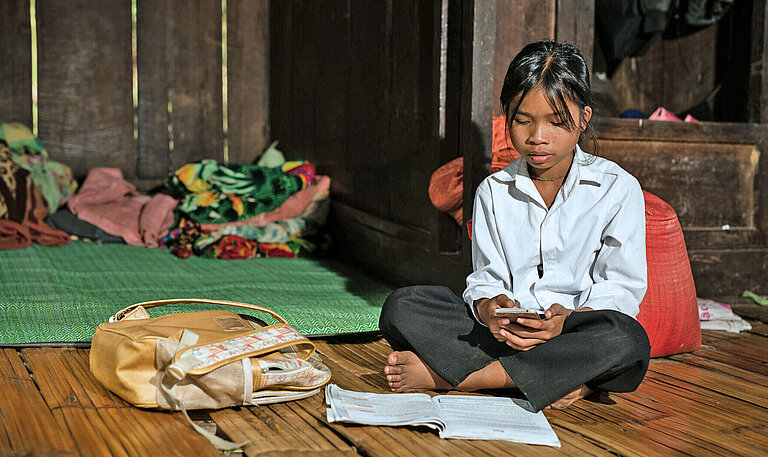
x: 701, y: 13
x: 626, y: 28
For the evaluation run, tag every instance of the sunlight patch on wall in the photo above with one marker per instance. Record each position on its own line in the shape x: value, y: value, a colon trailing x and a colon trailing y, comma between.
x: 33, y: 27
x: 135, y: 69
x: 225, y: 121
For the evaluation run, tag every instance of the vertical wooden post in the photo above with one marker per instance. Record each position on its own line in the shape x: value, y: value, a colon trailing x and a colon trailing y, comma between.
x: 476, y: 106
x: 448, y: 240
x: 757, y: 99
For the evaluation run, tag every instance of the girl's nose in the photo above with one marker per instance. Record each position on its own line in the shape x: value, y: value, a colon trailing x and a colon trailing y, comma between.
x: 536, y: 134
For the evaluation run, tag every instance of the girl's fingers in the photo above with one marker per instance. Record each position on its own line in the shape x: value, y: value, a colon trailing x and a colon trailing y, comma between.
x: 532, y: 323
x: 521, y: 344
x: 530, y: 332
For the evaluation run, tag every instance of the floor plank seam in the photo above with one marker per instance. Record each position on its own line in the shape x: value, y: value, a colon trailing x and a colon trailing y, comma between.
x: 29, y: 370
x: 89, y: 408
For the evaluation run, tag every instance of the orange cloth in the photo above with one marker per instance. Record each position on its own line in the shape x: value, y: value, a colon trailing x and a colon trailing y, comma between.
x: 503, y: 151
x: 32, y: 228
x: 446, y: 186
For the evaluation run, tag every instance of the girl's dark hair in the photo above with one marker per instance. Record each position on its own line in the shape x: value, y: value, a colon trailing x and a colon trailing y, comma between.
x: 558, y: 69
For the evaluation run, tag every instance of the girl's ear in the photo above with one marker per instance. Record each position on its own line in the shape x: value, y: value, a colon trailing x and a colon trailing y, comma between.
x: 586, y: 116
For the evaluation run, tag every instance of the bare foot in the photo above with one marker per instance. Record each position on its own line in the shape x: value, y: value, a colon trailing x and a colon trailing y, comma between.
x: 569, y: 398
x: 406, y: 372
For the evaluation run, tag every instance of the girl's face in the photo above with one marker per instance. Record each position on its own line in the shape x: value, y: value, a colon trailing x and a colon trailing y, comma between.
x: 541, y: 139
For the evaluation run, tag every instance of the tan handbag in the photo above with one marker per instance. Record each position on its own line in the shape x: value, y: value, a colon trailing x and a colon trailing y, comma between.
x: 204, y: 359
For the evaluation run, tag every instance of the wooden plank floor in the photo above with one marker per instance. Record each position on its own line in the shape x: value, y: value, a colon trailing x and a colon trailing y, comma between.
x: 712, y: 402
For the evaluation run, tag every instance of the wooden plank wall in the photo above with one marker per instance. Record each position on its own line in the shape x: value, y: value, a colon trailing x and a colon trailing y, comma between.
x: 353, y: 92
x: 521, y: 22
x: 381, y: 95
x: 355, y: 89
x: 16, y: 58
x: 715, y: 176
x: 669, y: 74
x: 85, y: 82
x: 518, y: 23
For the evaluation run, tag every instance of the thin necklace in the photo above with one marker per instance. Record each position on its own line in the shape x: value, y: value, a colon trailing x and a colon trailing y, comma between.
x: 537, y: 178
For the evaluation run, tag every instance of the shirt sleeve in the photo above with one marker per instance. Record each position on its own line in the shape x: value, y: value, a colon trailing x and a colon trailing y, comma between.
x: 490, y: 276
x: 620, y: 270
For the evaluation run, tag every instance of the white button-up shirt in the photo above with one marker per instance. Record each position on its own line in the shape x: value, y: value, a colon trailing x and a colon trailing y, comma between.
x: 590, y: 243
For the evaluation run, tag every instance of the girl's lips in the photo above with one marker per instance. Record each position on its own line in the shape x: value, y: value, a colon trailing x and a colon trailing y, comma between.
x: 539, y: 158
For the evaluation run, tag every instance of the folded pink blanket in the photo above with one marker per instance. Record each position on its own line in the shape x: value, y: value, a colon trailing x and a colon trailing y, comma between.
x: 111, y: 203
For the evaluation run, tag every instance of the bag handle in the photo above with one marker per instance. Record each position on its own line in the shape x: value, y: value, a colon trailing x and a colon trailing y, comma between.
x: 151, y: 304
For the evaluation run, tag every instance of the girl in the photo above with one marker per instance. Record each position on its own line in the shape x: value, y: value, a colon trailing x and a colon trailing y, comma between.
x: 557, y: 230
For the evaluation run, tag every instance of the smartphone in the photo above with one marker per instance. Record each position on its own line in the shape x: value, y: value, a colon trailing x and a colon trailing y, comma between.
x: 514, y: 313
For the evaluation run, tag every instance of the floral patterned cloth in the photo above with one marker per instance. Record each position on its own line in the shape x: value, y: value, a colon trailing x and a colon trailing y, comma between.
x: 211, y: 192
x: 187, y: 239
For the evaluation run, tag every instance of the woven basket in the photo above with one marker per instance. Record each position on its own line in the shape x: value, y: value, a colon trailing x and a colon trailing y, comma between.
x: 669, y: 312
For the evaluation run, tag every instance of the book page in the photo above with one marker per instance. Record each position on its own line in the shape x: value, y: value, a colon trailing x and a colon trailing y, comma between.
x: 493, y: 418
x: 380, y: 409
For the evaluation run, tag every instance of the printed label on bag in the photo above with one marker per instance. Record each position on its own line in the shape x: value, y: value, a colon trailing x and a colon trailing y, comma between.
x: 211, y: 354
x: 231, y: 323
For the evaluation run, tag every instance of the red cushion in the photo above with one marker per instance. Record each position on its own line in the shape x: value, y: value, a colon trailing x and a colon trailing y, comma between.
x: 669, y: 312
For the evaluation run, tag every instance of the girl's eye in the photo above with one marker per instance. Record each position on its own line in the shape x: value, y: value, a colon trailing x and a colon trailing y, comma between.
x: 558, y: 124
x: 520, y: 121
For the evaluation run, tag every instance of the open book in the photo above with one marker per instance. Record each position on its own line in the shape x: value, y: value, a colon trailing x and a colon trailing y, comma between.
x: 454, y: 416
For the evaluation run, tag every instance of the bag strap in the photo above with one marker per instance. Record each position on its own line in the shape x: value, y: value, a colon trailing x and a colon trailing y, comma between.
x: 166, y: 387
x: 151, y: 304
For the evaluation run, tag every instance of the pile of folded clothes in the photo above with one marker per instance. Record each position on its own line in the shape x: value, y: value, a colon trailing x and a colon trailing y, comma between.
x: 273, y: 208
x: 243, y: 211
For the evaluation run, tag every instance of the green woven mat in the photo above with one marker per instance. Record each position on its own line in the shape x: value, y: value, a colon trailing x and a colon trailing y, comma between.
x: 60, y: 294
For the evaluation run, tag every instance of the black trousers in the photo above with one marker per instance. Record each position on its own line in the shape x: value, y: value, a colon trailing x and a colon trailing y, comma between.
x: 606, y: 350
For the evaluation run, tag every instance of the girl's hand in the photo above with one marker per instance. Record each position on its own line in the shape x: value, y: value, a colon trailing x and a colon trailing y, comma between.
x: 486, y: 311
x: 524, y: 334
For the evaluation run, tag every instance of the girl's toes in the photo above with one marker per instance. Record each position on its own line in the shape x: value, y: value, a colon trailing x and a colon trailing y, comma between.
x: 392, y: 358
x: 389, y: 369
